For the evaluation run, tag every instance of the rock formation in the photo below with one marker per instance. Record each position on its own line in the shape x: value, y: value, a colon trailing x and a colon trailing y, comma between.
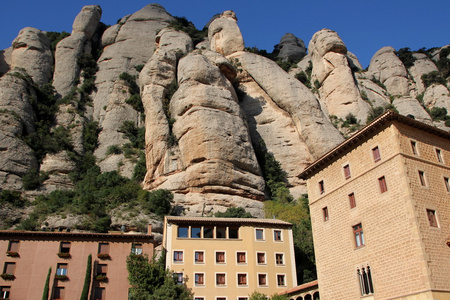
x: 291, y: 48
x: 209, y: 110
x: 31, y: 51
x: 333, y: 76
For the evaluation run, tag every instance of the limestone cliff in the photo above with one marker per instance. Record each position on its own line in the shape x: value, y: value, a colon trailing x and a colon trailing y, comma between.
x: 206, y: 107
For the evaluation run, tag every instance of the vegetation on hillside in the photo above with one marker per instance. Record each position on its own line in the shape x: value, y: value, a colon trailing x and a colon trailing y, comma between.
x: 183, y: 24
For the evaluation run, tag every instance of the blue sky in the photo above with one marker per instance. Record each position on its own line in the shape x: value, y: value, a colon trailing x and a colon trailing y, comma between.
x: 364, y: 26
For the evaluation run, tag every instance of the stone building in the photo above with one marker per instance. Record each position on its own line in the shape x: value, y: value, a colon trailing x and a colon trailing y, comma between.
x: 228, y: 258
x: 380, y: 211
x: 27, y: 256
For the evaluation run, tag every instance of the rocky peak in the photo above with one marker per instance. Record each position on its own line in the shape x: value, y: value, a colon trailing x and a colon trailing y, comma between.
x: 291, y: 48
x: 224, y: 34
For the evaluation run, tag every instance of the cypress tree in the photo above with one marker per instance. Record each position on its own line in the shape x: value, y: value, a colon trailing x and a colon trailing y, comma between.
x: 87, y: 279
x: 46, y: 287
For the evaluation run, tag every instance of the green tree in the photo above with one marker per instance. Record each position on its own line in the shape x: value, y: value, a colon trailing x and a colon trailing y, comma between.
x: 261, y: 296
x: 46, y: 286
x: 87, y: 279
x: 233, y: 212
x: 149, y: 280
x: 157, y: 201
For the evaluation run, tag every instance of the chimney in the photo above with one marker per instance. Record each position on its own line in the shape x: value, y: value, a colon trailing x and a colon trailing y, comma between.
x: 149, y: 229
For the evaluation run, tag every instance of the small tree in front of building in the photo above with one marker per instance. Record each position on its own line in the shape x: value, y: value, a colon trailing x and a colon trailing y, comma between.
x: 151, y: 281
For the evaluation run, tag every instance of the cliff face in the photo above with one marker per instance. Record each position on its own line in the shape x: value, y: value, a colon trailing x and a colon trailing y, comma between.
x: 207, y: 108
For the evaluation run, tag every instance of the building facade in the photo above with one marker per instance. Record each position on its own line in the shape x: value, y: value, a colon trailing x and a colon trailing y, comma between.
x: 26, y: 258
x: 229, y: 258
x: 380, y: 211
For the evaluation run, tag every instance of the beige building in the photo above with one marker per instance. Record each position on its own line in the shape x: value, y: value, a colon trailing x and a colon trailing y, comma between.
x: 380, y: 210
x: 26, y: 257
x: 228, y: 258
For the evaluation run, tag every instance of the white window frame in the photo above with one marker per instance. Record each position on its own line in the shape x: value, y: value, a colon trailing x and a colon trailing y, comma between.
x: 246, y: 258
x: 237, y: 280
x: 204, y: 257
x: 285, y: 279
x: 257, y: 280
x: 284, y: 259
x: 215, y: 280
x: 281, y: 235
x: 204, y: 280
x: 224, y: 256
x: 263, y: 235
x: 177, y: 262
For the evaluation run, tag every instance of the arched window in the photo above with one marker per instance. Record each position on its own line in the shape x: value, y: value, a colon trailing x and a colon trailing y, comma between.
x: 365, y: 280
x: 308, y: 297
x: 316, y: 296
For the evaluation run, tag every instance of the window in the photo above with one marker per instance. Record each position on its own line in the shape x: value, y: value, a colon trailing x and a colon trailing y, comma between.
x: 220, y: 257
x: 103, y: 248
x: 242, y: 298
x: 281, y: 279
x: 242, y: 279
x: 351, y: 199
x: 102, y: 270
x: 241, y: 259
x: 99, y: 293
x: 447, y: 183
x: 233, y: 232
x: 220, y: 279
x: 376, y: 154
x: 321, y: 187
x: 199, y: 298
x: 325, y: 213
x: 359, y: 235
x: 221, y: 298
x: 277, y: 235
x: 414, y: 147
x: 199, y: 257
x: 13, y: 246
x: 9, y: 268
x: 177, y: 256
x: 199, y: 279
x: 183, y: 231
x: 262, y: 279
x: 4, y: 292
x: 439, y: 155
x: 347, y: 174
x: 259, y: 234
x: 431, y: 214
x: 422, y: 178
x: 59, y: 293
x: 365, y: 281
x: 178, y: 277
x: 221, y: 232
x: 261, y: 256
x: 279, y: 258
x: 64, y: 247
x: 136, y: 249
x: 196, y: 232
x: 61, y: 269
x: 208, y: 232
x: 382, y: 183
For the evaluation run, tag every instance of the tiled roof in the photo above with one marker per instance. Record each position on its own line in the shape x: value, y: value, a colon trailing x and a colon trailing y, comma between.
x: 62, y: 235
x: 249, y: 221
x: 301, y: 287
x: 363, y: 135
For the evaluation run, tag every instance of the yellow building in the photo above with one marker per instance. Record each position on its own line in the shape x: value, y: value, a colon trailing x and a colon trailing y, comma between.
x: 229, y: 258
x: 380, y: 211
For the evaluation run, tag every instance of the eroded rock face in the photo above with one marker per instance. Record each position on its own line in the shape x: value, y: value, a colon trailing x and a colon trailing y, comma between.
x: 410, y: 106
x: 68, y: 50
x: 422, y: 65
x: 386, y: 67
x: 16, y: 119
x: 437, y: 96
x: 224, y: 34
x: 208, y: 115
x: 294, y: 98
x: 126, y: 45
x: 31, y: 51
x: 291, y: 48
x: 331, y: 70
x: 154, y: 80
x: 5, y: 60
